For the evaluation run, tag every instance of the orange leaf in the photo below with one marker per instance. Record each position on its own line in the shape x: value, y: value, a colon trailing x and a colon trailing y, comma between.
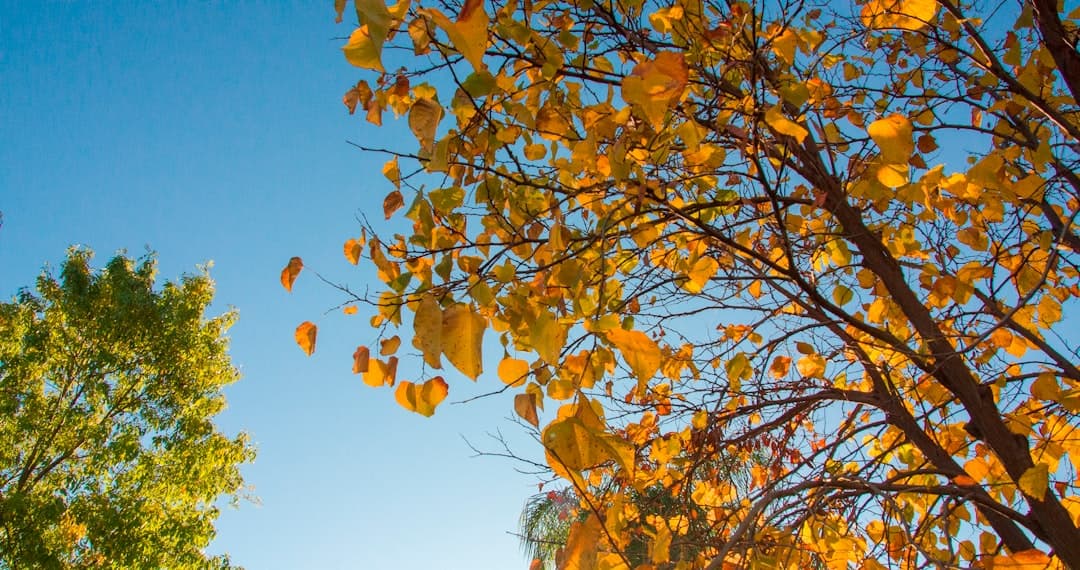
x: 389, y: 346
x: 353, y: 248
x: 513, y: 371
x: 525, y: 406
x: 392, y: 203
x: 288, y: 275
x: 360, y: 360
x: 350, y: 310
x: 964, y: 481
x: 422, y: 398
x: 305, y: 336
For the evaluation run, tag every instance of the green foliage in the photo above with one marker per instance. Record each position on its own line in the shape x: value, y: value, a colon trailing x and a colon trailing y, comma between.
x: 108, y: 455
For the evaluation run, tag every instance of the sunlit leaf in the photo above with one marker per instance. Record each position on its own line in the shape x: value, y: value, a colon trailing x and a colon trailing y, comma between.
x: 902, y: 14
x: 421, y: 398
x: 305, y: 336
x: 353, y: 249
x: 893, y: 135
x: 775, y: 118
x: 363, y: 51
x: 463, y: 339
x: 1034, y: 481
x: 513, y: 371
x: 428, y: 330
x: 639, y: 351
x: 288, y: 275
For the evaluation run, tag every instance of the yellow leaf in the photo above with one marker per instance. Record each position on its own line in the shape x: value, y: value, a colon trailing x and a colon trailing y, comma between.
x: 546, y: 337
x: 551, y: 124
x: 655, y: 86
x: 893, y: 135
x: 811, y: 366
x: 428, y: 330
x: 392, y: 173
x: 1045, y: 387
x: 349, y: 310
x: 353, y: 248
x: 582, y: 540
x: 288, y: 275
x: 463, y: 338
x: 424, y: 117
x: 381, y: 373
x: 469, y: 34
x: 513, y: 371
x: 902, y: 14
x: 360, y: 360
x: 1034, y: 481
x: 525, y: 406
x: 784, y: 45
x: 392, y: 203
x: 535, y: 151
x: 422, y: 398
x: 363, y: 51
x: 892, y: 175
x: 639, y: 351
x: 700, y: 273
x: 305, y: 337
x: 775, y: 118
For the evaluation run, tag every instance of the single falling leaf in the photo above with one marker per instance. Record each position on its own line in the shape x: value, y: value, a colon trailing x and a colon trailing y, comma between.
x: 422, y: 398
x: 909, y: 15
x: 1034, y: 481
x: 428, y: 330
x: 353, y: 248
x: 463, y: 339
x: 525, y: 406
x: 288, y: 275
x: 513, y: 371
x: 893, y: 135
x: 305, y: 337
x: 360, y: 360
x: 775, y: 118
x: 640, y: 352
x: 349, y: 310
x: 424, y: 117
x: 392, y: 203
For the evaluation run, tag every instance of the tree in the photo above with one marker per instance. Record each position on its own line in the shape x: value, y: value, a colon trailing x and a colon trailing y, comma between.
x: 840, y: 236
x: 108, y: 387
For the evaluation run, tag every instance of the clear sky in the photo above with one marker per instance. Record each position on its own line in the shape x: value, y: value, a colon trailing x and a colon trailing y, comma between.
x: 215, y: 131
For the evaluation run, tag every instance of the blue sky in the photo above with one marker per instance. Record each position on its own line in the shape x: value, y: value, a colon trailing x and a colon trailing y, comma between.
x: 214, y: 131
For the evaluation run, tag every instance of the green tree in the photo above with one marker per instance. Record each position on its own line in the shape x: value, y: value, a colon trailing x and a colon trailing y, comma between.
x: 108, y: 454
